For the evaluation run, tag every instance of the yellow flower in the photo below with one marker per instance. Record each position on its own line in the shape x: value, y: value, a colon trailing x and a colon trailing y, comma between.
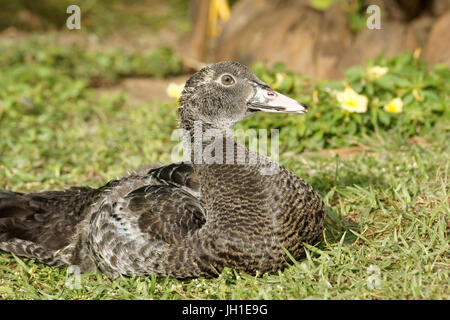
x: 279, y: 79
x: 174, y: 90
x: 351, y: 101
x: 394, y: 106
x: 417, y: 52
x: 315, y: 96
x: 376, y: 72
x: 417, y: 95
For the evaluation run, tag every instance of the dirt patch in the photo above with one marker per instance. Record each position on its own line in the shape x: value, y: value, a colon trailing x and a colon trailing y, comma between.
x: 354, y: 151
x: 144, y: 90
x: 344, y: 153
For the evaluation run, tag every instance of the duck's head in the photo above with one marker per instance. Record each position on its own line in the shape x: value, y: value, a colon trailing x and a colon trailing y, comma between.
x: 222, y: 94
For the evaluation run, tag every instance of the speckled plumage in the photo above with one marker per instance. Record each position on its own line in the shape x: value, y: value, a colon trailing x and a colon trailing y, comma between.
x: 182, y: 220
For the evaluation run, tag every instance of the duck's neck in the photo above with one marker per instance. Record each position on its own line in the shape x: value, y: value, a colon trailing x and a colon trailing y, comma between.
x: 235, y: 181
x: 207, y: 145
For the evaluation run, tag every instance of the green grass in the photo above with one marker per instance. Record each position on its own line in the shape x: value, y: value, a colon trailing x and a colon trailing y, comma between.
x: 101, y: 17
x: 387, y: 206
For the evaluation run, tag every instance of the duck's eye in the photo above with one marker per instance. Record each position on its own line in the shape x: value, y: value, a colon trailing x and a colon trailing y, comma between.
x: 227, y: 80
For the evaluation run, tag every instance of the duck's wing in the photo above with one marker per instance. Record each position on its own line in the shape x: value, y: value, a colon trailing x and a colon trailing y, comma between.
x: 168, y: 208
x: 129, y: 233
x: 165, y: 212
x: 179, y: 174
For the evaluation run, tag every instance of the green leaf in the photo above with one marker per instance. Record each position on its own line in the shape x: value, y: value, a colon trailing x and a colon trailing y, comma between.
x: 386, y: 82
x: 321, y: 5
x: 384, y: 117
x: 370, y: 89
x: 355, y: 73
x: 401, y: 82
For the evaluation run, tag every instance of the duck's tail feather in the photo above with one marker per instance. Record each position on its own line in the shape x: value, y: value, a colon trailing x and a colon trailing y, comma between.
x: 10, y: 204
x: 12, y: 209
x: 32, y: 250
x: 36, y: 225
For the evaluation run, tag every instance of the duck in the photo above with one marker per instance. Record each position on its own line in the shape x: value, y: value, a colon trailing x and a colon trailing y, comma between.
x: 186, y: 219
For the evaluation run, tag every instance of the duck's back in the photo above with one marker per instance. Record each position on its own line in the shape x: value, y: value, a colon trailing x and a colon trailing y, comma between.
x: 85, y: 227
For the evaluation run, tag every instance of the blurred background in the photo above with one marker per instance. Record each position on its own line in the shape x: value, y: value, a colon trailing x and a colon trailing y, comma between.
x: 319, y: 38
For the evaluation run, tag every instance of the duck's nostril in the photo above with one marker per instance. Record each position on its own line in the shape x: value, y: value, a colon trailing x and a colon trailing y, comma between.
x: 270, y: 93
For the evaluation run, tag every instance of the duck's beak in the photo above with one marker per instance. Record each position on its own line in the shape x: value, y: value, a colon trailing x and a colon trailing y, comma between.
x: 266, y: 99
